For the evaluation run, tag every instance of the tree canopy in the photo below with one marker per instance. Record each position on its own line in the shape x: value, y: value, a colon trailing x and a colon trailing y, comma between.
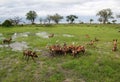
x: 56, y: 18
x: 91, y: 20
x: 105, y: 14
x: 71, y: 18
x: 31, y: 15
x: 16, y: 20
x: 7, y: 23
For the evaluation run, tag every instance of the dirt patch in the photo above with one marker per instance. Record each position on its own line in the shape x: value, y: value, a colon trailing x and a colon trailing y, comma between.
x: 1, y: 36
x: 42, y: 34
x: 68, y: 80
x: 18, y: 46
x: 5, y: 45
x: 1, y: 46
x: 68, y: 35
x: 17, y: 35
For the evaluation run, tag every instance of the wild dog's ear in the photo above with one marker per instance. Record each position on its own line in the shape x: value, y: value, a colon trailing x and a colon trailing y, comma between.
x: 113, y: 40
x: 116, y: 40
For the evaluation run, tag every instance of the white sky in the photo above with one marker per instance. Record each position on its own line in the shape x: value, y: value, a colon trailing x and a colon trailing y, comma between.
x: 11, y: 8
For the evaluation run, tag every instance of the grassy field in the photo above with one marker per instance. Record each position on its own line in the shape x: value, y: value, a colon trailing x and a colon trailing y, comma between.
x: 98, y: 64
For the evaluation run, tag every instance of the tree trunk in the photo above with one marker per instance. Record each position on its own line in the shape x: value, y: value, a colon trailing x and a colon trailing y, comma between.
x: 104, y: 21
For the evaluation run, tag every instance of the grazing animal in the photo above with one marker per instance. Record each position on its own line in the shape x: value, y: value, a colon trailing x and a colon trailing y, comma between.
x: 51, y: 35
x: 29, y: 53
x: 7, y: 40
x: 114, y: 45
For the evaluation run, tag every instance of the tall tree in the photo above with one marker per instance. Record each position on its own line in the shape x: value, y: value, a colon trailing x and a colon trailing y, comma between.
x: 31, y: 15
x: 56, y: 18
x: 105, y: 14
x: 49, y: 18
x: 16, y: 20
x: 71, y: 18
x: 91, y: 20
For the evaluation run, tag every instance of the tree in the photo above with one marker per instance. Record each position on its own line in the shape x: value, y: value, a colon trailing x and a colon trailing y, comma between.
x: 49, y: 18
x: 71, y: 18
x: 105, y: 14
x: 7, y: 23
x: 114, y: 21
x: 100, y: 20
x: 16, y: 20
x: 31, y: 15
x: 41, y: 20
x: 56, y: 18
x: 91, y: 20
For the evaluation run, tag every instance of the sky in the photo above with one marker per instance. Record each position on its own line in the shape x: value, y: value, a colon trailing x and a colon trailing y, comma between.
x: 83, y: 8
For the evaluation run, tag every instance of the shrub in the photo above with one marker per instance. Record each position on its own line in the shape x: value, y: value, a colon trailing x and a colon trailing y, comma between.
x: 7, y: 23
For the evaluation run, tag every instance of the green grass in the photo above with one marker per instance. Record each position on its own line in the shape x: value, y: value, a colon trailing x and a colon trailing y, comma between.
x: 99, y: 64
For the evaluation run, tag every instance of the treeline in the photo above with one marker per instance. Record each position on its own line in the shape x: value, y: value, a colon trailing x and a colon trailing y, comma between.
x: 104, y: 16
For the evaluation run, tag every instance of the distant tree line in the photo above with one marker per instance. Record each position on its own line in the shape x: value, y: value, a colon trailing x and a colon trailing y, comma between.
x: 104, y: 16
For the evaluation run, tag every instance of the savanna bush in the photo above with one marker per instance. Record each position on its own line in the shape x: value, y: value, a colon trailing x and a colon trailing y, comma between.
x: 7, y: 23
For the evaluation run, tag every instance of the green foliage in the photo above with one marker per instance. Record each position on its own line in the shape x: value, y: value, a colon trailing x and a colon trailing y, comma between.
x: 114, y: 21
x: 91, y: 20
x: 58, y: 76
x: 71, y: 18
x: 105, y: 14
x: 56, y: 18
x: 16, y: 20
x: 7, y: 23
x: 31, y: 15
x: 98, y: 64
x: 49, y: 18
